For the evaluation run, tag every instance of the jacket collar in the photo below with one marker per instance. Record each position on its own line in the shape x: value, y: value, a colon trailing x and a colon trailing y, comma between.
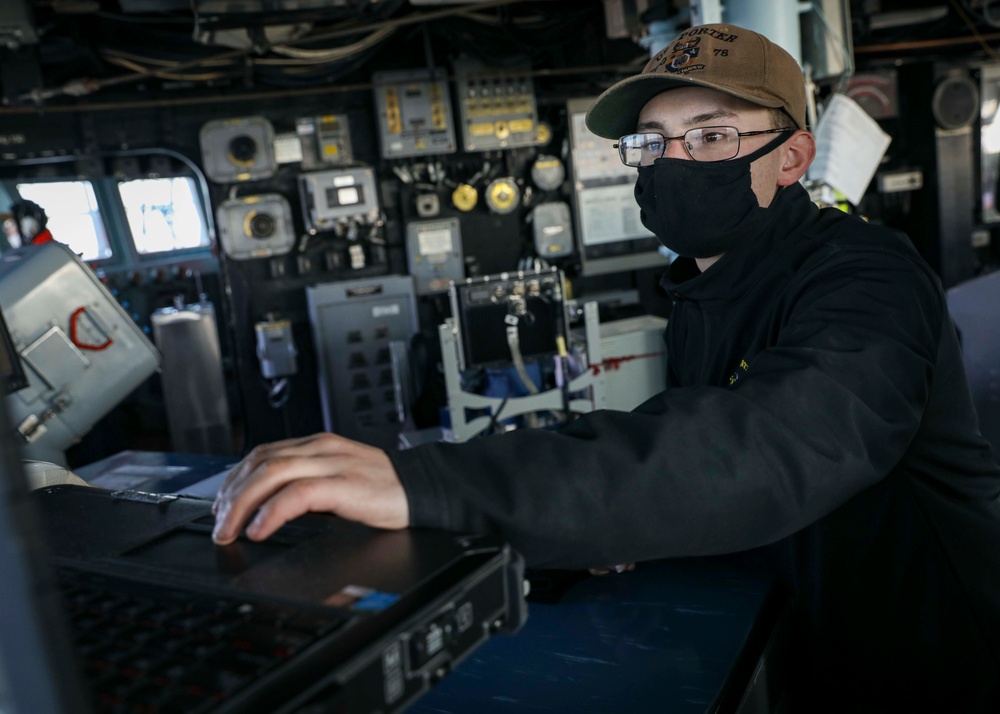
x: 742, y: 267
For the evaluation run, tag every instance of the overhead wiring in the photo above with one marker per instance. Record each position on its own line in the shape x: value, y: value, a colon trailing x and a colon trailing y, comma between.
x: 168, y: 64
x: 331, y: 55
x: 380, y: 31
x: 164, y: 74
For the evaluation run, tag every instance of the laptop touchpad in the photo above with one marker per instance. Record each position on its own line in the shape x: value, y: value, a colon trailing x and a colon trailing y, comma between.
x: 194, y: 552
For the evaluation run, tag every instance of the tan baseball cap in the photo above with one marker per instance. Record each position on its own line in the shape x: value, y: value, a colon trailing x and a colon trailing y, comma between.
x: 728, y: 58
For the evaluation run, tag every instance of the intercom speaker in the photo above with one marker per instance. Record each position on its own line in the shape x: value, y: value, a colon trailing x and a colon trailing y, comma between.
x: 955, y: 103
x: 239, y: 149
x: 259, y: 225
x: 256, y: 226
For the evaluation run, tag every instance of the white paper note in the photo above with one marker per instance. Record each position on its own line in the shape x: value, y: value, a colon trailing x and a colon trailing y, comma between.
x: 849, y: 147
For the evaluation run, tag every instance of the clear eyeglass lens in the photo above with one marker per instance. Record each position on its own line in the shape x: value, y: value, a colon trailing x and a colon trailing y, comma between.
x: 716, y: 143
x: 641, y: 149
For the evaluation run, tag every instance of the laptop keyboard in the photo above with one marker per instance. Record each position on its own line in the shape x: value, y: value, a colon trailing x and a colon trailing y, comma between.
x: 152, y: 650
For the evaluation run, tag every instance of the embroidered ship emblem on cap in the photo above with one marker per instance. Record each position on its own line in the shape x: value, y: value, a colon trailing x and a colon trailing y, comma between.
x: 683, y: 57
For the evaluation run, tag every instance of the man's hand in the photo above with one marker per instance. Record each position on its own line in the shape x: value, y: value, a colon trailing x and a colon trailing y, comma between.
x: 323, y: 472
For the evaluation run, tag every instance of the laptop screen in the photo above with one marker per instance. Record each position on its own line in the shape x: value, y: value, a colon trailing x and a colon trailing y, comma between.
x: 37, y: 670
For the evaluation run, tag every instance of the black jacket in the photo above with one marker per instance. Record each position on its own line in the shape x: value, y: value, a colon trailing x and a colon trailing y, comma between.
x: 817, y: 419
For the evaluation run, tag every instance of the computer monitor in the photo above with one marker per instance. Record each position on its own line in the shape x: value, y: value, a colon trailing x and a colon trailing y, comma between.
x: 611, y: 238
x: 12, y: 376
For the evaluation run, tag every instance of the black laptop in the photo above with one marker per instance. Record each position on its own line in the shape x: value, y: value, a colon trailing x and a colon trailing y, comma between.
x: 120, y: 602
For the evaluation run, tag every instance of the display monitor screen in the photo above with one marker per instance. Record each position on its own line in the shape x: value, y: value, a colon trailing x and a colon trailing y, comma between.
x: 610, y: 238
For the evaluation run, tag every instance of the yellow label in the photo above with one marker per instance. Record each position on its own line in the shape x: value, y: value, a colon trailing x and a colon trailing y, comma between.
x: 521, y: 126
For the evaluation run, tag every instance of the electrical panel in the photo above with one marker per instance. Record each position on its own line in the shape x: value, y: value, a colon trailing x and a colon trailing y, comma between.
x: 414, y: 113
x: 241, y: 149
x: 255, y: 226
x: 434, y: 249
x: 484, y: 307
x: 497, y: 106
x: 325, y: 141
x: 333, y: 197
x: 355, y: 324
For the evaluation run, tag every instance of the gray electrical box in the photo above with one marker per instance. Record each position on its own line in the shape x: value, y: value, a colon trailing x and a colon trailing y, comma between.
x: 276, y: 349
x: 552, y: 229
x: 338, y: 195
x: 497, y: 106
x: 434, y: 251
x: 357, y: 326
x: 325, y: 141
x: 414, y: 113
x: 81, y: 351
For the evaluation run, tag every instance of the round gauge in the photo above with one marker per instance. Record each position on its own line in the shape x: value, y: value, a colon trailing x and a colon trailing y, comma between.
x: 503, y: 195
x: 548, y: 172
x: 464, y: 197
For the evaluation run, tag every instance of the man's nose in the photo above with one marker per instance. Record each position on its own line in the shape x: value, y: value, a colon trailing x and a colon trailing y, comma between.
x: 676, y: 150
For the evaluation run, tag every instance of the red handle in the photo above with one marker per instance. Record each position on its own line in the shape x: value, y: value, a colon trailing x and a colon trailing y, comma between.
x: 83, y: 345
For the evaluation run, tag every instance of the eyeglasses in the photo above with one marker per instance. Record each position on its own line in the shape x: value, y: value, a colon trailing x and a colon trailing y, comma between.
x: 706, y: 143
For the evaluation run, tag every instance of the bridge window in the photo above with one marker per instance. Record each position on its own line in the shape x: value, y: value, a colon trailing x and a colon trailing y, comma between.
x: 164, y: 214
x: 74, y: 216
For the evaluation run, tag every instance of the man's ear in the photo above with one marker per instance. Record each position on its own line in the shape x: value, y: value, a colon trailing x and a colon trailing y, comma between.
x: 799, y: 152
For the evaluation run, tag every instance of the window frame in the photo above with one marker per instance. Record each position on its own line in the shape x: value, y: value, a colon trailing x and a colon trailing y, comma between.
x: 124, y: 252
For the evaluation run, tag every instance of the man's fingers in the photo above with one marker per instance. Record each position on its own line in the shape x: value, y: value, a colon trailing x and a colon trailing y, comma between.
x: 290, y: 502
x: 299, y: 446
x: 239, y: 498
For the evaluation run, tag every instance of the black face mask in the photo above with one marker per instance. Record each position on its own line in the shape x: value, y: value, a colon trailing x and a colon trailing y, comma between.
x: 700, y: 210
